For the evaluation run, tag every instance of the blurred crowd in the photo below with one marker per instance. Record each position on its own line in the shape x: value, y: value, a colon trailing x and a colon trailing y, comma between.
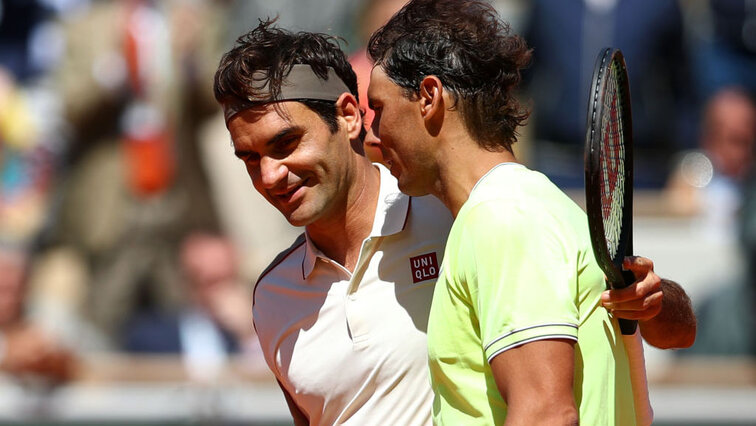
x: 127, y: 225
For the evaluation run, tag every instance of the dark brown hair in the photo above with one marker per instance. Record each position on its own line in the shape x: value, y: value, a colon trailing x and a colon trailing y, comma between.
x: 470, y: 49
x: 274, y: 51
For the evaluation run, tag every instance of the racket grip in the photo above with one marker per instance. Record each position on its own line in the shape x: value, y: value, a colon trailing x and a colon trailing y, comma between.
x: 627, y: 327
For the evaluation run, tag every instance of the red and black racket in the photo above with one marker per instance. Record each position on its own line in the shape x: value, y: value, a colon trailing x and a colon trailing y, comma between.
x: 609, y: 170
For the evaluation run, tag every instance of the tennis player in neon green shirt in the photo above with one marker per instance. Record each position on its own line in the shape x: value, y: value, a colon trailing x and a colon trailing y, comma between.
x: 519, y: 269
x: 517, y: 334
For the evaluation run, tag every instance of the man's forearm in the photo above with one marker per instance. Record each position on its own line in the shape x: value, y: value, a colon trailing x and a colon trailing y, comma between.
x: 675, y: 325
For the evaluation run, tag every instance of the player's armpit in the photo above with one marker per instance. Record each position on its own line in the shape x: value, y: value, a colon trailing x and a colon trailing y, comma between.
x: 535, y: 380
x: 300, y: 419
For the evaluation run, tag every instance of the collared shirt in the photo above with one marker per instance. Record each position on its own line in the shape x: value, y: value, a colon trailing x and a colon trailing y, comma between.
x: 351, y: 347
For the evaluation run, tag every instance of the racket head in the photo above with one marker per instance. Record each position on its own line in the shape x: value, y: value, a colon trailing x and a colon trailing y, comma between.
x: 609, y: 165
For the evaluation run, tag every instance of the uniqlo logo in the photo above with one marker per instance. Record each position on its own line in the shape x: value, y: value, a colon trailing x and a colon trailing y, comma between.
x: 424, y: 267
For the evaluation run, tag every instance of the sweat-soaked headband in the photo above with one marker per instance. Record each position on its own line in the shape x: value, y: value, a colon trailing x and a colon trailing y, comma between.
x: 301, y: 83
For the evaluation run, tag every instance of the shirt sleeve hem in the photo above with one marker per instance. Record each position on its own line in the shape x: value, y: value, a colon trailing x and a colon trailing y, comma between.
x: 530, y: 334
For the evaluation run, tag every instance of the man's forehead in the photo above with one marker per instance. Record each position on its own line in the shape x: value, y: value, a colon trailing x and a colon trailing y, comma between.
x: 375, y: 80
x: 381, y: 86
x: 286, y: 111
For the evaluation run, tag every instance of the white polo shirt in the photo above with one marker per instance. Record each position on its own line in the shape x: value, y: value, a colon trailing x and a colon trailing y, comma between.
x: 351, y: 348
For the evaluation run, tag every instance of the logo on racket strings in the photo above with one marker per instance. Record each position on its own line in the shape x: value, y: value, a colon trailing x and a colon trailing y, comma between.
x: 612, y: 169
x: 424, y: 267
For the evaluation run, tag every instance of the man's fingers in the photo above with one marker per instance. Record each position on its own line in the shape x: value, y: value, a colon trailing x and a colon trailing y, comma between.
x: 636, y: 291
x: 650, y: 302
x: 632, y: 315
x: 639, y: 265
x: 650, y: 283
x: 620, y: 295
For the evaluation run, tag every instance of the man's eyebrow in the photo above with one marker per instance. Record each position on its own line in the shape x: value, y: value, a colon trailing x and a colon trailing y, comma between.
x: 274, y: 139
x: 241, y: 153
x: 284, y: 133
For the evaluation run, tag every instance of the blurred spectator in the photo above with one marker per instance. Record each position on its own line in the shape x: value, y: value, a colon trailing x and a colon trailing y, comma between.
x: 27, y: 163
x: 725, y: 53
x: 566, y: 37
x: 729, y: 133
x: 727, y: 318
x: 335, y: 17
x: 714, y: 185
x: 24, y: 29
x: 27, y: 351
x: 216, y: 318
x: 32, y: 147
x: 31, y: 144
x: 135, y: 96
x: 708, y: 183
x: 748, y: 240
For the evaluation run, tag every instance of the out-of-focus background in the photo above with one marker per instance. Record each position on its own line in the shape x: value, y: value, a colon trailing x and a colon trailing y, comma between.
x: 130, y: 237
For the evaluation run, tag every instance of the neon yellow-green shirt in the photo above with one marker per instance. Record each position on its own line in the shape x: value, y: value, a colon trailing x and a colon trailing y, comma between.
x: 518, y: 268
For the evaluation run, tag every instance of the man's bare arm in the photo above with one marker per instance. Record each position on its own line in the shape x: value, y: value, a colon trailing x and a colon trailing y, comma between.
x: 535, y: 380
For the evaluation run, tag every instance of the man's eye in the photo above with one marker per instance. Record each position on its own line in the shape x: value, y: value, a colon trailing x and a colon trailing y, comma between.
x: 283, y: 143
x: 251, y: 158
x: 283, y: 146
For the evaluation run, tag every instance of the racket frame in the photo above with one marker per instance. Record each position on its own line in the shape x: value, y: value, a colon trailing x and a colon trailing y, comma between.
x: 612, y: 266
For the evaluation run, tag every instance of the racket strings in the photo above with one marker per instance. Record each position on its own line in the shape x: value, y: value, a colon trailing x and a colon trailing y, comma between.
x: 612, y: 162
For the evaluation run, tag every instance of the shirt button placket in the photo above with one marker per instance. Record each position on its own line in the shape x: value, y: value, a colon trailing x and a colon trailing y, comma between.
x: 355, y: 311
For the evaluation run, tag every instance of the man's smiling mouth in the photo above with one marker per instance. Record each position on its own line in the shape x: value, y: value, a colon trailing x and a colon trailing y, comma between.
x: 286, y: 196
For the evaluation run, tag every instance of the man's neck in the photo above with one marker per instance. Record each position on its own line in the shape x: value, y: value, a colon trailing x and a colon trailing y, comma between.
x: 340, y: 236
x: 466, y: 163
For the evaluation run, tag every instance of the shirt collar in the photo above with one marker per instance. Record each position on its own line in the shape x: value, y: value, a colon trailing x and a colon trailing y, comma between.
x: 391, y: 215
x: 393, y: 207
x: 311, y: 255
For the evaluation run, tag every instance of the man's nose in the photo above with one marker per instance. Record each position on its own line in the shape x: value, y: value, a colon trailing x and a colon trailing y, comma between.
x: 372, y: 145
x: 272, y: 171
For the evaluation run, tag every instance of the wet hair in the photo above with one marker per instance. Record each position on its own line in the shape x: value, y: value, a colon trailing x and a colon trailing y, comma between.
x: 470, y: 49
x: 274, y: 51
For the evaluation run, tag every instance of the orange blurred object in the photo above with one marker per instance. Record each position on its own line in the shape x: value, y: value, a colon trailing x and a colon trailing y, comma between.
x: 150, y: 162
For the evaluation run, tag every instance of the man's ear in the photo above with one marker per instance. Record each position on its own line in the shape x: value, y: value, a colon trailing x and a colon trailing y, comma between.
x: 432, y: 106
x: 349, y: 110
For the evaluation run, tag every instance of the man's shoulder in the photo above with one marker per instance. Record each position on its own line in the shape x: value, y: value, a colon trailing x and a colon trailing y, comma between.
x: 280, y: 261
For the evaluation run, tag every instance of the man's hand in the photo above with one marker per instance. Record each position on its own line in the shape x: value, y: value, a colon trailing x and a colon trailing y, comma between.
x: 643, y: 299
x: 662, y: 308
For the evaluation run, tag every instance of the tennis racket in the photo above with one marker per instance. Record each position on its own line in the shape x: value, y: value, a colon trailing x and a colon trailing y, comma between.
x: 609, y: 171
